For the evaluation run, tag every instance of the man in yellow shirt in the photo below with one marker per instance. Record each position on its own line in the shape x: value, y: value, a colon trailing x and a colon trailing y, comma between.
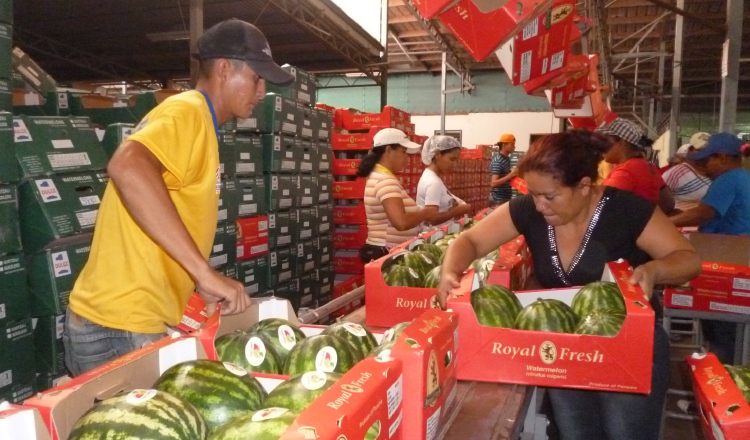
x: 157, y: 219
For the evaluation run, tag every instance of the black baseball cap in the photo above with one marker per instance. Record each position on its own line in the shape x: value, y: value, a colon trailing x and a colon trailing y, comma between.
x: 239, y: 40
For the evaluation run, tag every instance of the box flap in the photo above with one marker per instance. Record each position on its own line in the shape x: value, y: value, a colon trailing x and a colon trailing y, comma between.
x: 20, y: 423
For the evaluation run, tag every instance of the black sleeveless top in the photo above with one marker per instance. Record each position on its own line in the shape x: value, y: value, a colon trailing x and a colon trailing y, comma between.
x: 618, y: 221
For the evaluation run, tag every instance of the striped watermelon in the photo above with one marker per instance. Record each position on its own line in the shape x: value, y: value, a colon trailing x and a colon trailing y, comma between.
x: 143, y: 415
x: 547, y: 315
x: 598, y: 295
x: 432, y: 279
x: 220, y: 391
x: 373, y: 431
x: 741, y: 377
x: 507, y: 299
x: 483, y: 267
x: 299, y: 392
x: 326, y: 353
x: 402, y: 276
x: 394, y: 332
x: 250, y: 351
x: 265, y: 424
x: 382, y: 348
x: 280, y: 333
x: 601, y: 322
x: 360, y: 338
x: 420, y: 261
x: 431, y: 249
x: 491, y: 313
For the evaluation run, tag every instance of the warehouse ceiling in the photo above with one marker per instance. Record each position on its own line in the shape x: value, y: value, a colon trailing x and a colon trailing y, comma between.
x: 147, y: 39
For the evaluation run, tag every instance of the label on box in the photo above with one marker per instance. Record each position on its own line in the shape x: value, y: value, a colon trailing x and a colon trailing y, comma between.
x: 68, y: 160
x: 396, y: 423
x: 61, y: 264
x: 531, y: 30
x: 89, y: 200
x: 277, y: 104
x: 245, y: 168
x: 48, y: 190
x: 2, y: 311
x: 62, y: 143
x: 248, y: 209
x: 741, y: 283
x: 6, y: 378
x: 682, y: 300
x: 395, y: 395
x: 433, y: 423
x: 729, y: 308
x: 20, y: 132
x: 742, y: 294
x: 59, y: 326
x: 557, y: 60
x: 526, y: 66
x: 87, y: 218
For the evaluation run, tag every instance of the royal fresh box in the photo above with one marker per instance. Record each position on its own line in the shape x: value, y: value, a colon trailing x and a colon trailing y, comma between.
x: 349, y: 236
x: 252, y: 237
x: 53, y: 144
x: 724, y: 412
x: 58, y: 206
x: 280, y: 153
x: 346, y: 261
x: 282, y: 228
x: 21, y: 423
x: 16, y: 354
x: 348, y: 213
x: 347, y: 188
x: 50, y: 353
x: 357, y: 141
x: 281, y: 191
x: 10, y: 232
x: 53, y: 272
x: 252, y: 274
x: 308, y: 190
x: 621, y: 363
x: 10, y: 171
x: 274, y: 114
x: 251, y: 196
x: 14, y: 293
x: 511, y: 271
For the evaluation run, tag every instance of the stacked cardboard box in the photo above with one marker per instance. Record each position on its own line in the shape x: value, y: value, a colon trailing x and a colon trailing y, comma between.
x: 6, y: 46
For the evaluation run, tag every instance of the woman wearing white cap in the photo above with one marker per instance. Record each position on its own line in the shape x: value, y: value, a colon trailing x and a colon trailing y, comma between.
x: 439, y: 153
x: 392, y: 216
x: 687, y: 179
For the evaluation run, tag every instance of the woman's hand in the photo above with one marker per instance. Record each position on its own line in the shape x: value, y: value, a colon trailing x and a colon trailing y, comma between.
x: 645, y: 276
x: 448, y: 282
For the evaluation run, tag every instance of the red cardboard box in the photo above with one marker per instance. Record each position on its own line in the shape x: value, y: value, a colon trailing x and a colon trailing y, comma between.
x: 347, y: 261
x: 558, y: 359
x: 542, y: 46
x: 354, y: 141
x: 349, y: 189
x: 511, y: 271
x: 710, y: 300
x: 578, y: 65
x: 349, y: 236
x: 345, y: 167
x: 389, y: 117
x: 481, y: 26
x: 195, y: 314
x: 252, y: 237
x: 430, y: 8
x: 724, y: 412
x: 350, y: 214
x: 21, y: 423
x: 343, y: 284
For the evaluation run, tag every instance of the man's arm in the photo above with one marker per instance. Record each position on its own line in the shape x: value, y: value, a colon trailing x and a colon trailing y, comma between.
x: 497, y: 180
x: 137, y: 175
x: 694, y: 217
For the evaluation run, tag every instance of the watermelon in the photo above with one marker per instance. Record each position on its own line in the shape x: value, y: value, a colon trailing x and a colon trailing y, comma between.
x: 420, y: 261
x: 265, y: 424
x: 483, y: 267
x: 601, y: 322
x: 547, y: 315
x: 431, y: 249
x: 402, y: 276
x: 382, y: 348
x: 491, y: 313
x: 280, y: 333
x: 598, y: 295
x: 143, y: 415
x: 394, y: 332
x: 326, y: 353
x: 250, y: 351
x: 432, y: 279
x: 360, y: 338
x: 220, y: 391
x: 741, y: 377
x: 507, y: 299
x: 299, y: 392
x: 373, y: 431
x: 469, y: 224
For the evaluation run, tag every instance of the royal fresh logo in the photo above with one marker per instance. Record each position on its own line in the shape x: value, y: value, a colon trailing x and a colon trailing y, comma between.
x: 715, y: 380
x: 350, y: 389
x: 548, y: 352
x: 411, y: 305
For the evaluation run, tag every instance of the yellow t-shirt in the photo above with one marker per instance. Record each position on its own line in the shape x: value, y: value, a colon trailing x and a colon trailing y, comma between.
x: 129, y: 282
x: 382, y: 184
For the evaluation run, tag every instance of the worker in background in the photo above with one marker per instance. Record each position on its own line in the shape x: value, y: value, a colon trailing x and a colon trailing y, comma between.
x: 573, y: 227
x: 725, y: 209
x: 632, y: 172
x: 439, y: 153
x: 157, y: 220
x: 392, y: 216
x: 686, y: 179
x: 501, y: 171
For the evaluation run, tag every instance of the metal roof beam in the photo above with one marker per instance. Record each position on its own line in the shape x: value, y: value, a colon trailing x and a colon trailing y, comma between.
x: 406, y: 51
x: 689, y: 15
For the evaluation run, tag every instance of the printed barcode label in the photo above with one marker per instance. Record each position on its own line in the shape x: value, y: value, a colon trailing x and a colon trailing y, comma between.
x: 557, y: 60
x: 741, y: 283
x: 396, y: 423
x: 306, y: 166
x: 218, y: 261
x: 395, y: 395
x: 87, y: 218
x: 545, y: 64
x: 190, y: 322
x: 252, y: 288
x: 433, y: 425
x: 307, y: 132
x: 288, y: 165
x: 62, y: 143
x: 259, y: 248
x: 531, y: 30
x: 6, y: 378
x: 68, y: 160
x: 682, y: 300
x: 526, y: 66
x: 248, y: 209
x: 242, y: 168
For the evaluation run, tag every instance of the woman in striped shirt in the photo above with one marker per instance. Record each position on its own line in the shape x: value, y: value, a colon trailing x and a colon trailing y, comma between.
x: 392, y: 216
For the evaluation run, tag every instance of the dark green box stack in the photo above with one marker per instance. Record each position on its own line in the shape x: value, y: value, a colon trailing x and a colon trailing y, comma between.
x: 6, y: 55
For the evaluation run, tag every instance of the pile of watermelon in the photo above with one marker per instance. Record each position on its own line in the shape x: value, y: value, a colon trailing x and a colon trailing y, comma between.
x: 597, y: 309
x: 741, y: 376
x: 221, y: 400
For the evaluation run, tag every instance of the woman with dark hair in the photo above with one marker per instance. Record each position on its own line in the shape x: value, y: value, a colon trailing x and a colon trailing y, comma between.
x: 573, y: 227
x: 439, y: 153
x: 392, y: 216
x: 632, y: 172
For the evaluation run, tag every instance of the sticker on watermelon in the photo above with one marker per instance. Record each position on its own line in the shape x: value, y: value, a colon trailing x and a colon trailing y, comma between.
x: 235, y: 369
x: 355, y: 329
x: 255, y: 351
x: 313, y: 380
x: 326, y: 360
x: 384, y: 356
x: 286, y: 337
x: 268, y: 413
x: 137, y: 397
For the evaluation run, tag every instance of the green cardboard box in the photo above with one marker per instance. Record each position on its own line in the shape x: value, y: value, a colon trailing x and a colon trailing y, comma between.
x: 325, y: 250
x: 6, y: 11
x: 45, y: 381
x: 281, y: 191
x: 307, y: 194
x: 251, y: 196
x: 274, y: 114
x: 10, y: 231
x: 54, y: 144
x: 307, y: 223
x: 17, y: 364
x: 304, y: 85
x: 58, y: 206
x: 307, y: 283
x: 243, y: 157
x: 52, y: 274
x: 114, y: 135
x: 252, y: 274
x: 280, y: 153
x: 307, y: 252
x: 107, y: 110
x: 324, y: 123
x: 6, y: 95
x: 50, y: 352
x: 14, y: 292
x: 325, y: 218
x: 32, y: 103
x: 282, y: 229
x: 281, y: 266
x: 325, y: 158
x: 305, y: 124
x: 228, y: 201
x: 306, y: 156
x: 10, y: 171
x: 323, y: 289
x: 6, y: 47
x: 16, y: 394
x: 34, y: 75
x: 289, y: 290
x: 325, y: 188
x: 224, y: 251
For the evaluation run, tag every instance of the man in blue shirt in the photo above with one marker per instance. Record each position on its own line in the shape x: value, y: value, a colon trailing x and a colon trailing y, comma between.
x: 501, y: 171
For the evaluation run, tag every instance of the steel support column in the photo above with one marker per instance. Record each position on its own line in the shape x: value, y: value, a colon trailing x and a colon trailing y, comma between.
x: 443, y: 84
x: 674, y: 120
x: 730, y: 66
x: 196, y: 30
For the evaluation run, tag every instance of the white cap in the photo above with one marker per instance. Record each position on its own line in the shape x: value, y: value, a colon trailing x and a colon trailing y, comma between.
x: 392, y: 136
x: 437, y: 143
x: 683, y: 150
x: 699, y: 140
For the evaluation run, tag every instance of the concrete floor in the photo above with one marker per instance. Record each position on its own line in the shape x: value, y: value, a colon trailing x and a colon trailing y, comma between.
x: 676, y: 429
